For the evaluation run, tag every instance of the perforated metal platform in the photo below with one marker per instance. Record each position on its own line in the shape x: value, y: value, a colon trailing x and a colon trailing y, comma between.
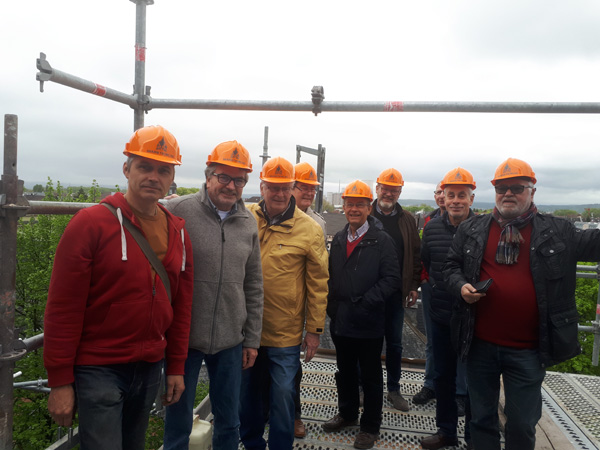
x: 572, y: 402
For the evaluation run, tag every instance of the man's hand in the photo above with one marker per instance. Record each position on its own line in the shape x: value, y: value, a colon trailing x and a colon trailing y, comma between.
x: 61, y: 405
x: 469, y: 293
x: 248, y: 357
x: 411, y: 299
x: 175, y: 387
x: 310, y: 345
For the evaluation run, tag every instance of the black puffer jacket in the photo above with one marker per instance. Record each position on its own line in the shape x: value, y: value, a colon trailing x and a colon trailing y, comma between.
x: 436, y: 241
x: 359, y: 285
x: 555, y: 248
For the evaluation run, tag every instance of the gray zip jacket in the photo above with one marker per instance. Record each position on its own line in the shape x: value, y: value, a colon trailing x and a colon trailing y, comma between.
x: 228, y: 288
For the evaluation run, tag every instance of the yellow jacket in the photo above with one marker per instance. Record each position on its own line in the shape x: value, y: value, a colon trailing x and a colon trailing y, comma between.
x: 295, y: 274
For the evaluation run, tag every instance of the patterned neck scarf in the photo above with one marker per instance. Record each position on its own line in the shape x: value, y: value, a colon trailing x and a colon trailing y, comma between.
x: 510, y: 237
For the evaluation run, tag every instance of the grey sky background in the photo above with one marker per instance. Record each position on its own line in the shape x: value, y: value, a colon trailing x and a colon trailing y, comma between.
x: 465, y: 50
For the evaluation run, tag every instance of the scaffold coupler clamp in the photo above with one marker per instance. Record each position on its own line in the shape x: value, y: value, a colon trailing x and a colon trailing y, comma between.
x: 45, y: 70
x: 318, y: 95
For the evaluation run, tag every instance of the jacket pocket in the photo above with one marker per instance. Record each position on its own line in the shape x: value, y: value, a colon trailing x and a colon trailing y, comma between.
x: 564, y: 339
x: 553, y: 259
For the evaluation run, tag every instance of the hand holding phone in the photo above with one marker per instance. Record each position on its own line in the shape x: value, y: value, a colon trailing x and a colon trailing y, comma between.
x: 482, y: 286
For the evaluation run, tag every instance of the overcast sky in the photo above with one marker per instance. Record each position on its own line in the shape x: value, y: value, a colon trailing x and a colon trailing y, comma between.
x: 509, y: 50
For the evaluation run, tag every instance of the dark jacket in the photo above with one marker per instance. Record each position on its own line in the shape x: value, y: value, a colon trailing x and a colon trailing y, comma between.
x: 359, y: 285
x: 411, y: 259
x: 437, y: 239
x: 555, y: 248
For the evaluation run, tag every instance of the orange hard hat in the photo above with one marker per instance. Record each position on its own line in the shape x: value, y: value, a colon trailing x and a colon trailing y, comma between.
x: 154, y: 142
x: 231, y: 153
x: 513, y: 168
x: 358, y: 189
x: 391, y: 177
x: 458, y: 176
x: 305, y: 173
x: 277, y: 170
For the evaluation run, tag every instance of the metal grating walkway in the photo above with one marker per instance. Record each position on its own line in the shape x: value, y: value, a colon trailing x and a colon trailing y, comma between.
x: 571, y: 413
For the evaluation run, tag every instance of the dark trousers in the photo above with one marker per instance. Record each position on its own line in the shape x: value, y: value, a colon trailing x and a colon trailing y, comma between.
x: 114, y: 403
x: 444, y: 378
x: 352, y: 353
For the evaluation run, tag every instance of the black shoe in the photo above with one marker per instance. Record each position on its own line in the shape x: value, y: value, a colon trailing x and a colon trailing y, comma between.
x: 438, y: 441
x: 461, y: 401
x: 337, y: 422
x: 365, y: 440
x: 423, y: 396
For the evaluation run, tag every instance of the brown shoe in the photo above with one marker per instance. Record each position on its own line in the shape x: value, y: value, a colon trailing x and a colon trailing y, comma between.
x: 438, y: 441
x: 397, y: 401
x: 299, y: 430
x: 337, y: 422
x: 365, y: 440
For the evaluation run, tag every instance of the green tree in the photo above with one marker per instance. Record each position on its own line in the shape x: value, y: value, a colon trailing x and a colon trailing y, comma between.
x: 590, y: 213
x: 566, y: 213
x: 185, y: 191
x: 38, y: 188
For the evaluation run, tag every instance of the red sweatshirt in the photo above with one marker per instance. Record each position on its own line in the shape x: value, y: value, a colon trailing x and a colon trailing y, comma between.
x: 102, y: 307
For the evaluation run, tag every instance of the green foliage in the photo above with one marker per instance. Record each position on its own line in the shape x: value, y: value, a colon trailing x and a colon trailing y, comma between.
x: 590, y: 213
x: 425, y: 209
x: 586, y: 296
x: 185, y: 191
x: 566, y: 213
x: 38, y: 188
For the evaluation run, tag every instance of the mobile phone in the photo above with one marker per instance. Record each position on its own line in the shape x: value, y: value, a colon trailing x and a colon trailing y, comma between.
x: 483, y: 286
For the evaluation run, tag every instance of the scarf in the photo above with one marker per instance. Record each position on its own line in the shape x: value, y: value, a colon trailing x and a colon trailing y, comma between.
x: 510, y: 237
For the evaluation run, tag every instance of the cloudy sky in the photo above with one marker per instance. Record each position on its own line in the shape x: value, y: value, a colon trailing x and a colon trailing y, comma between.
x: 469, y: 50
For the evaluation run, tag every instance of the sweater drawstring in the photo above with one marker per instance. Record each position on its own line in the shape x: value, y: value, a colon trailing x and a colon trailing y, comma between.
x: 123, y: 240
x: 184, y: 255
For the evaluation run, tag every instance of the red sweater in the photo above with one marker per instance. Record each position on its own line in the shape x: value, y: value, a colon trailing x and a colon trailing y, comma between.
x: 102, y: 309
x: 508, y: 314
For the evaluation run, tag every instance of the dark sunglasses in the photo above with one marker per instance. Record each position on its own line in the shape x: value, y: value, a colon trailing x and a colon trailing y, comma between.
x: 514, y: 188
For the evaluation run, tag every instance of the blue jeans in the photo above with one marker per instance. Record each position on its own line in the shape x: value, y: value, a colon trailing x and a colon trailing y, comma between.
x: 225, y: 375
x: 446, y: 361
x: 426, y: 303
x: 280, y: 365
x: 394, y: 322
x: 522, y: 375
x: 114, y: 404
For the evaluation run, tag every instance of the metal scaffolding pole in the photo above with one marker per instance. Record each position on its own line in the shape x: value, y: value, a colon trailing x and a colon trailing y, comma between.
x: 142, y: 102
x: 140, y: 62
x: 8, y: 256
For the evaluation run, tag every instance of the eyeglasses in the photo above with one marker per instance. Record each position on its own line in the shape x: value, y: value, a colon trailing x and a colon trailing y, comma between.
x: 514, y: 188
x: 391, y: 191
x: 351, y: 205
x: 310, y: 190
x: 438, y: 192
x: 226, y: 179
x: 278, y: 189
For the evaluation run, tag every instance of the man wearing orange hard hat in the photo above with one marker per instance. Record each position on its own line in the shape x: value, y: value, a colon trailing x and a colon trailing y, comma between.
x: 294, y: 265
x: 402, y: 227
x: 458, y: 186
x: 119, y: 303
x: 228, y: 295
x: 304, y: 191
x: 526, y: 318
x: 364, y: 274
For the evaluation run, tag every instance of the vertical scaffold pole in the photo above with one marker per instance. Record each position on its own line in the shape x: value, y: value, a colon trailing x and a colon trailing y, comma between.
x: 8, y: 256
x: 139, y: 88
